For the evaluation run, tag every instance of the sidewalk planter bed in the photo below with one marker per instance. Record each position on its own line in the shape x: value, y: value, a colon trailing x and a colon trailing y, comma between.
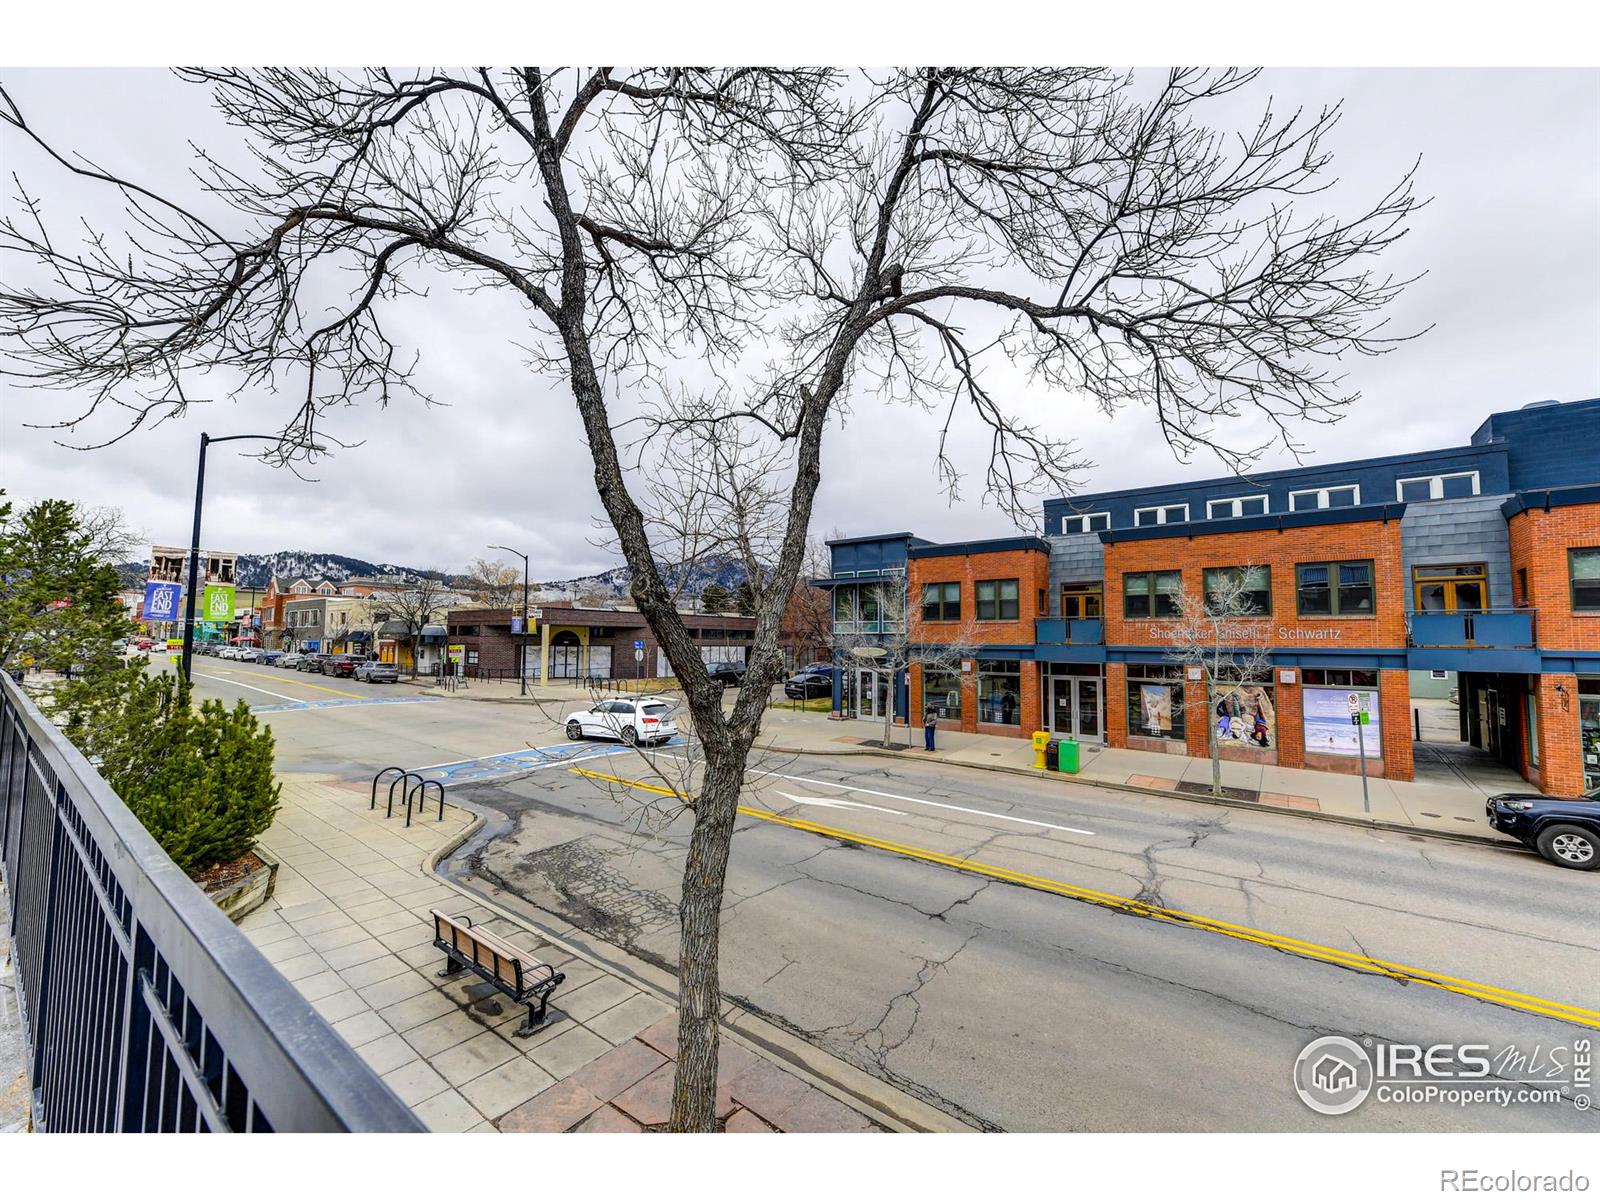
x: 242, y: 886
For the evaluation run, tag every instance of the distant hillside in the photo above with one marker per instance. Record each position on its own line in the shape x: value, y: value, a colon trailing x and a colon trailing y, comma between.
x: 255, y: 570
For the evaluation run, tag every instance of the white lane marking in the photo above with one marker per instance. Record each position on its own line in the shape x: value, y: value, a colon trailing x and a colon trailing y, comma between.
x: 978, y: 812
x: 234, y: 682
x: 825, y: 803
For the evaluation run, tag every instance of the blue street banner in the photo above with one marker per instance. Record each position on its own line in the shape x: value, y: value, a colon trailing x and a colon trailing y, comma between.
x: 161, y: 601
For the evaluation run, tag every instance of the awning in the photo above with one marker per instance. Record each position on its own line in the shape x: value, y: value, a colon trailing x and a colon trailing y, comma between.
x: 393, y: 629
x: 357, y: 635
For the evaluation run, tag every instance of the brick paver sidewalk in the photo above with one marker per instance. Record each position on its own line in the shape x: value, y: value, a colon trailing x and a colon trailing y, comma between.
x: 349, y: 926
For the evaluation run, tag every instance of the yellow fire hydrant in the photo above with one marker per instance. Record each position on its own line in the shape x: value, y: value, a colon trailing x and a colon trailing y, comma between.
x: 1041, y: 739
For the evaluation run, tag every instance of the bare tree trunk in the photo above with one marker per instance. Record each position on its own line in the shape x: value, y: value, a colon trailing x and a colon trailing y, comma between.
x: 1216, y: 743
x: 694, y: 1088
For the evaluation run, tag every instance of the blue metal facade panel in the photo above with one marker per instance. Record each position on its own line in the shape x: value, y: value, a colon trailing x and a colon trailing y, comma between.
x: 1549, y: 445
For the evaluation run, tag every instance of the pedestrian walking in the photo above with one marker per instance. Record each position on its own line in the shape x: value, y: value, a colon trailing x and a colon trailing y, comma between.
x: 930, y: 722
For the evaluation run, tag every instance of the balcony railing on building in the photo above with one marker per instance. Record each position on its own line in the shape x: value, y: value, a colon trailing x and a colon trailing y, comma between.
x: 1489, y: 628
x: 143, y: 1008
x: 1069, y: 631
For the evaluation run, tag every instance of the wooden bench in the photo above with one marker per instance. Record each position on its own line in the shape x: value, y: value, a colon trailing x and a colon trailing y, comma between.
x: 515, y: 972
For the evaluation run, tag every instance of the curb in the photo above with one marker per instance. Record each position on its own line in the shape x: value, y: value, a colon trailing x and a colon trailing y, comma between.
x: 1476, y: 839
x: 872, y: 1097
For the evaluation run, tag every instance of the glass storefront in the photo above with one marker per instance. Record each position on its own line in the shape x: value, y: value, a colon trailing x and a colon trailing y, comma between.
x: 942, y: 689
x: 1246, y: 716
x: 999, y: 692
x: 1589, y: 730
x: 1155, y: 701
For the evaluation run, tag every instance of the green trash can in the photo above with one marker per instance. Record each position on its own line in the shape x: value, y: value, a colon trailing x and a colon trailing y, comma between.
x: 1068, y: 756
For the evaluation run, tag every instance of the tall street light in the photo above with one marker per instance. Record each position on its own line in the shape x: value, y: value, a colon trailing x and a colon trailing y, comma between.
x: 194, y: 540
x: 522, y: 667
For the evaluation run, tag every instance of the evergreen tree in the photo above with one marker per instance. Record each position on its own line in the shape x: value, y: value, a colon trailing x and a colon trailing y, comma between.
x: 744, y: 599
x: 715, y: 598
x: 58, y: 602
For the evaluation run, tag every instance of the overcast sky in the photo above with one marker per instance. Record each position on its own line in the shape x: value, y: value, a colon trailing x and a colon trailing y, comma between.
x: 1510, y: 244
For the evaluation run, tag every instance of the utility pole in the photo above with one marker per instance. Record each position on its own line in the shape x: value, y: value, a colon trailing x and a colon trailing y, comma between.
x: 522, y: 664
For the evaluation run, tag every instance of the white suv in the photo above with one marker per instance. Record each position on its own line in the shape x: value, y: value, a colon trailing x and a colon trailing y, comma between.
x: 643, y: 720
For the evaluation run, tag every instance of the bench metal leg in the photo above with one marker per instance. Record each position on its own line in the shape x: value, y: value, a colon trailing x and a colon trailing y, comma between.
x: 451, y: 967
x: 535, y: 1020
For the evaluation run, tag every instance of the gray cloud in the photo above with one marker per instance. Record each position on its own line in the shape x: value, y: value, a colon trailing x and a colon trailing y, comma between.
x: 1510, y: 247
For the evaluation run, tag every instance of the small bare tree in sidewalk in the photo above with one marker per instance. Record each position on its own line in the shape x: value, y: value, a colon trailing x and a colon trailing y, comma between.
x: 892, y: 598
x: 416, y: 604
x: 1225, y: 634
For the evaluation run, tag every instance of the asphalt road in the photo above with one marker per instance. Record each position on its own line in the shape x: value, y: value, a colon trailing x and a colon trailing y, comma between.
x: 1010, y: 1005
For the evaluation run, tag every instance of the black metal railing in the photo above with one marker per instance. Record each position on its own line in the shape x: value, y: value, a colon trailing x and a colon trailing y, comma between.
x: 143, y: 1008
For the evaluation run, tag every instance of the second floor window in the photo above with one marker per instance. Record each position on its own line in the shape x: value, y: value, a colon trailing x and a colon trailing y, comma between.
x: 1163, y: 514
x: 1254, y: 584
x: 1151, y: 594
x: 1335, y: 589
x: 1242, y: 506
x: 998, y: 599
x: 1328, y: 497
x: 1086, y: 523
x: 1584, y: 565
x: 1080, y: 600
x: 941, y: 602
x: 1438, y: 487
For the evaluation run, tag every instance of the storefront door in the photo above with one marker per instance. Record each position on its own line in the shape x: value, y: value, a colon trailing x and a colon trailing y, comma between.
x: 1076, y: 708
x: 872, y: 694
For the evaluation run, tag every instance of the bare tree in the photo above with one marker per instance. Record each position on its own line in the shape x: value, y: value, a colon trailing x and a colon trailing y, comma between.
x: 415, y: 604
x: 806, y: 630
x: 494, y: 584
x: 853, y: 233
x: 1227, y: 635
x: 890, y: 599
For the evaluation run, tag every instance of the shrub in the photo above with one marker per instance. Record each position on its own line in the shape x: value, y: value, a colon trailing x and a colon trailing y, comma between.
x: 199, y: 780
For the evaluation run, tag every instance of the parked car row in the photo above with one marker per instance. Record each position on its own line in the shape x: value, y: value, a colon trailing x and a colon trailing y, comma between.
x: 346, y: 666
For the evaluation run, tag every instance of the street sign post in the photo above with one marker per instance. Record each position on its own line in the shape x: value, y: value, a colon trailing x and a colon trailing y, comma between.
x: 1361, y: 716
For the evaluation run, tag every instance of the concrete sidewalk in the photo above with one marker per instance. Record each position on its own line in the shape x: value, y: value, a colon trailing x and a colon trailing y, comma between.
x: 349, y: 926
x: 1439, y: 801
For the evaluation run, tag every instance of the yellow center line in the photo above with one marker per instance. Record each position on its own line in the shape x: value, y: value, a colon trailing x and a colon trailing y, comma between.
x: 263, y: 675
x: 1273, y: 941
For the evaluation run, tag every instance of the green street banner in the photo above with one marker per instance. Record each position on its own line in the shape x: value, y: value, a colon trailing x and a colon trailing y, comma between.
x: 219, y: 602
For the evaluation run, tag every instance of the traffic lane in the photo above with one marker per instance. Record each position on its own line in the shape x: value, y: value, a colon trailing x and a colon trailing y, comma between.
x: 1022, y: 1009
x: 1172, y: 869
x: 1497, y: 917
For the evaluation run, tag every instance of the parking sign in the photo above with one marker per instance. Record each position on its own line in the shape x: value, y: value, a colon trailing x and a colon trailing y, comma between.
x: 161, y: 601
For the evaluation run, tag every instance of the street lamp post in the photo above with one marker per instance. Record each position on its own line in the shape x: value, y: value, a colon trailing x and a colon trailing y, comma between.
x: 522, y: 666
x: 194, y: 539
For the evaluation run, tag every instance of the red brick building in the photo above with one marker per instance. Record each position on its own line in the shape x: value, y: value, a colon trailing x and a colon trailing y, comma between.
x: 571, y: 642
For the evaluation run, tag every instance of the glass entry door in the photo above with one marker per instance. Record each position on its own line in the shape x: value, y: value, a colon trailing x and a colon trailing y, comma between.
x: 872, y: 694
x: 1076, y: 708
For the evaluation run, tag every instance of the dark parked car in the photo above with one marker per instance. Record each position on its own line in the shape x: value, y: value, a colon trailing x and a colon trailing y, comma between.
x: 313, y: 662
x: 1565, y: 829
x: 728, y: 674
x: 808, y: 685
x: 339, y: 664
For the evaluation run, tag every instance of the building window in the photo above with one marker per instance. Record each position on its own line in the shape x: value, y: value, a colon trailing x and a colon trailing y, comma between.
x: 941, y: 602
x: 1242, y: 506
x: 1246, y: 716
x: 1522, y: 585
x: 1257, y: 584
x: 1438, y: 674
x: 1155, y: 701
x: 1437, y: 487
x: 1583, y: 565
x: 844, y: 606
x: 1589, y: 730
x: 1335, y: 589
x: 1161, y: 514
x: 1344, y: 496
x: 1460, y: 587
x: 1337, y: 677
x: 997, y: 599
x: 868, y: 600
x: 1086, y: 523
x: 999, y: 692
x: 1081, y: 601
x: 1151, y: 594
x: 942, y: 690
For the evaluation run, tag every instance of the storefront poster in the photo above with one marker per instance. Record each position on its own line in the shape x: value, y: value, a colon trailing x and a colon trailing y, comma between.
x: 1327, y: 721
x: 1248, y: 717
x: 1155, y: 705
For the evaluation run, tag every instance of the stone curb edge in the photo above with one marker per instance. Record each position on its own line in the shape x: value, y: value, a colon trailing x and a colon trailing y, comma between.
x: 868, y: 1095
x: 1476, y: 839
